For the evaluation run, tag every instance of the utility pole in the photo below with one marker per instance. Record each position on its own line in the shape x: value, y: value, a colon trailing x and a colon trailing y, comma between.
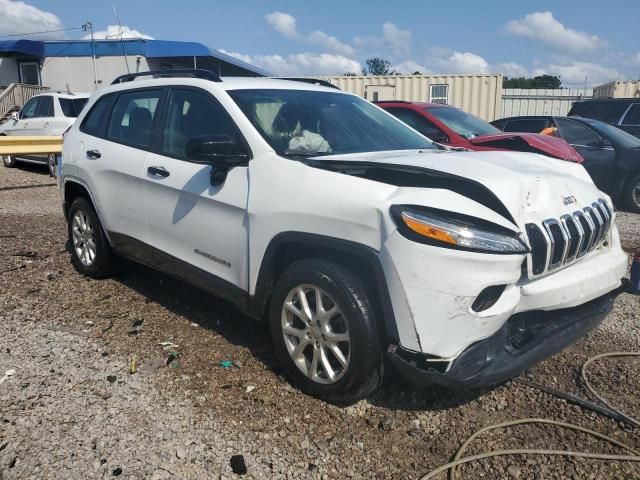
x: 85, y: 27
x: 115, y: 13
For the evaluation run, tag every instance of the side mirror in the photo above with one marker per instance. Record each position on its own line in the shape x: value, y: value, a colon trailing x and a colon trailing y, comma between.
x: 222, y: 152
x: 606, y: 143
x: 15, y: 116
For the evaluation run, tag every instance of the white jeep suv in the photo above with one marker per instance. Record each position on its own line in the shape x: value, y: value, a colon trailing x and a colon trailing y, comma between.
x: 359, y: 241
x: 45, y: 114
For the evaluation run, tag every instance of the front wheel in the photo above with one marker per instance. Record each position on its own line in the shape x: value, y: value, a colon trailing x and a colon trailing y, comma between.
x: 324, y: 332
x: 631, y: 194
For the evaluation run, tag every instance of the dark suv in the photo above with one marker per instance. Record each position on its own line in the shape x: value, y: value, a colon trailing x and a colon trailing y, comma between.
x: 623, y: 113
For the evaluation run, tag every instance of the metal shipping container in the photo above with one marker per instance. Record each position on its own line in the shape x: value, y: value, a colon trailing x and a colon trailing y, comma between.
x: 477, y: 94
x: 540, y: 101
x: 618, y: 89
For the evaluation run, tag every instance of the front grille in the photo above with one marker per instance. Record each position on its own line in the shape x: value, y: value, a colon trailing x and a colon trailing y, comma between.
x: 565, y: 240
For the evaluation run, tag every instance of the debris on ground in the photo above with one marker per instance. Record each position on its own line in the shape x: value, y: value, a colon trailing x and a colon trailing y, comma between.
x: 226, y: 364
x: 238, y: 465
x: 8, y: 374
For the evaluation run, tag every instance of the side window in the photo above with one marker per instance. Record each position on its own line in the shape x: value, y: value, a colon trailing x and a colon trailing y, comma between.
x: 45, y: 107
x: 190, y: 114
x: 419, y: 123
x: 632, y: 118
x: 94, y: 122
x: 607, y: 111
x: 132, y: 117
x: 577, y: 134
x: 499, y: 124
x: 30, y: 108
x: 530, y: 125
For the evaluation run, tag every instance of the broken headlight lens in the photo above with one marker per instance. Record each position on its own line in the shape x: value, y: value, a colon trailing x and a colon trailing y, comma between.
x: 453, y: 230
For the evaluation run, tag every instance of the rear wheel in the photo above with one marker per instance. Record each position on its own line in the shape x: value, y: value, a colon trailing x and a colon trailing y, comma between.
x: 324, y: 332
x: 632, y: 194
x: 91, y: 254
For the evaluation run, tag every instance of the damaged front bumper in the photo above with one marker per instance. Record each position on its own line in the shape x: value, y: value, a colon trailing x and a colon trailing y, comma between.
x: 525, y: 339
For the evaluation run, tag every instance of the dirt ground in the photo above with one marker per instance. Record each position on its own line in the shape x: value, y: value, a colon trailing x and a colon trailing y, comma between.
x: 74, y: 409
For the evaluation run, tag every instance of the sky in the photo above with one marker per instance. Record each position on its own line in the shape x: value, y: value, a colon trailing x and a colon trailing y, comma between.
x: 584, y: 42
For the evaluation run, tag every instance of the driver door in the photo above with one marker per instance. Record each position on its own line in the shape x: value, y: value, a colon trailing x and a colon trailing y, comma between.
x: 191, y: 222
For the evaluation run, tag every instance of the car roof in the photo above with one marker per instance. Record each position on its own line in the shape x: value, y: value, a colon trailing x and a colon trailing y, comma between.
x: 225, y: 83
x: 607, y: 100
x: 63, y: 94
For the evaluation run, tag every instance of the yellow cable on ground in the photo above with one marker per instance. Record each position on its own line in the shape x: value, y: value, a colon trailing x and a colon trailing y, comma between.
x: 451, y: 466
x: 583, y: 373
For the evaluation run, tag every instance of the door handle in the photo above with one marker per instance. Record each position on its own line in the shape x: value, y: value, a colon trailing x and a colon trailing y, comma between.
x: 158, y: 172
x: 93, y: 154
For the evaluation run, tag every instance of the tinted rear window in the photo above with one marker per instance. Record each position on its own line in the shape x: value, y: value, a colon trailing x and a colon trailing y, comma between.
x: 609, y: 112
x: 95, y: 121
x: 71, y: 107
x: 530, y: 125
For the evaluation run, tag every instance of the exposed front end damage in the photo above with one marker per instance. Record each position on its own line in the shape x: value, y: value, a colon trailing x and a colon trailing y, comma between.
x: 473, y: 318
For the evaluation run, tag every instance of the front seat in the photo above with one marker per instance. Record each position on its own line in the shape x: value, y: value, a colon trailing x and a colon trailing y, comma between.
x: 139, y: 126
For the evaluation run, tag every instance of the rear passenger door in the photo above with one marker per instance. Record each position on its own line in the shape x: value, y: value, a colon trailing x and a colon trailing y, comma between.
x: 599, y: 157
x: 117, y: 140
x: 192, y: 223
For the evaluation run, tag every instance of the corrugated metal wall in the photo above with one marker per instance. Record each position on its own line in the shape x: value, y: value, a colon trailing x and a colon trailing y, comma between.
x: 537, y: 101
x: 618, y: 89
x: 477, y: 94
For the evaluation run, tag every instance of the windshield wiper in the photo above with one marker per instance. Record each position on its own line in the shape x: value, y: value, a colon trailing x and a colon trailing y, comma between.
x: 303, y: 153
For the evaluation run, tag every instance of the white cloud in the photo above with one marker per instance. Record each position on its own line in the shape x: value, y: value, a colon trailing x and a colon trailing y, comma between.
x: 283, y: 23
x: 573, y: 74
x: 461, y: 62
x: 113, y: 32
x: 511, y: 69
x: 410, y: 66
x: 544, y: 28
x: 330, y: 43
x: 301, y: 63
x: 286, y: 25
x: 395, y: 38
x: 19, y: 18
x: 634, y: 60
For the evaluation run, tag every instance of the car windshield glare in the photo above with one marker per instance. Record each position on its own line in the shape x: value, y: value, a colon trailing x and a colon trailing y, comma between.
x: 464, y: 124
x: 313, y: 123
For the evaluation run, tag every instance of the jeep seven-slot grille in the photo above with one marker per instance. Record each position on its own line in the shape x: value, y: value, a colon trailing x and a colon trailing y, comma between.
x: 558, y: 242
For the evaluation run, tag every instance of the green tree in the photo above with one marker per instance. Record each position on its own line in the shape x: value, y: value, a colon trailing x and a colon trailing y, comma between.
x: 377, y: 66
x: 540, y: 81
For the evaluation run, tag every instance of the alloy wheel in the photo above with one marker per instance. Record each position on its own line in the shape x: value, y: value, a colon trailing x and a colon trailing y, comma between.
x: 316, y: 334
x: 84, y: 241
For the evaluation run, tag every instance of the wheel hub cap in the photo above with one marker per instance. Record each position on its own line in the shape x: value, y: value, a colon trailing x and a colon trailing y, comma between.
x: 84, y: 242
x: 316, y: 334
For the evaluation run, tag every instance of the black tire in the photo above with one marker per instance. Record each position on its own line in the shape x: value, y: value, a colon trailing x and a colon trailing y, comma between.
x: 103, y: 262
x: 9, y: 161
x: 631, y: 194
x: 364, y: 372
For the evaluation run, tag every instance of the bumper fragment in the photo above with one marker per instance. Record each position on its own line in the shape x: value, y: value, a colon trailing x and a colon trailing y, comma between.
x: 525, y: 339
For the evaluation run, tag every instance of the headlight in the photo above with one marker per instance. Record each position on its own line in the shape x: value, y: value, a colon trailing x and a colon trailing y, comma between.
x: 453, y: 230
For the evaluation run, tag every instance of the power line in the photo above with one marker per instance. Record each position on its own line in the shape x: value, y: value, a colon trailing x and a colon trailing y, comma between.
x: 38, y: 33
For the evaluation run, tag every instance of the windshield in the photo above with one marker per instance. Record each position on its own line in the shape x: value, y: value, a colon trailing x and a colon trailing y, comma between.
x: 464, y: 124
x: 620, y: 137
x: 71, y: 107
x: 311, y: 123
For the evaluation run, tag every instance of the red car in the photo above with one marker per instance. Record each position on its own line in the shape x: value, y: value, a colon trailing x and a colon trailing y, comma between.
x: 451, y: 126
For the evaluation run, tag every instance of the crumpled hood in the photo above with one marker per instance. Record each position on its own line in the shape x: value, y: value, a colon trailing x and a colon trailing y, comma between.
x: 531, y: 142
x: 531, y: 187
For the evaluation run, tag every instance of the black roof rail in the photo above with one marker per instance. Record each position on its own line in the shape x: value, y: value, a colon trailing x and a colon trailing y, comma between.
x: 314, y: 81
x: 189, y: 72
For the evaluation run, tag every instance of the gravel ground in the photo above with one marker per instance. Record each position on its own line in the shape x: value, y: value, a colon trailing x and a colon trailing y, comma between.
x: 74, y: 410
